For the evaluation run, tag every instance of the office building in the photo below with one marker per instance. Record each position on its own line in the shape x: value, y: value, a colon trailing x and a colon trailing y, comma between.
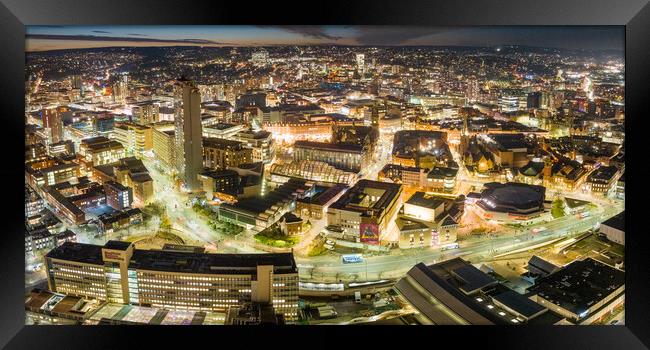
x: 584, y: 291
x: 260, y: 142
x: 61, y: 149
x: 315, y: 206
x: 53, y: 125
x: 118, y: 196
x: 188, y: 134
x: 146, y: 113
x: 129, y: 172
x: 50, y: 171
x: 174, y: 279
x: 366, y: 210
x: 348, y: 157
x: 164, y: 147
x: 603, y: 180
x: 222, y: 153
x: 33, y: 202
x: 136, y: 139
x: 119, y: 219
x: 99, y: 150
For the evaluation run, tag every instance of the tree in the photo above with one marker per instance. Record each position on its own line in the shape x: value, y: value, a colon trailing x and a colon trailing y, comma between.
x: 165, y: 223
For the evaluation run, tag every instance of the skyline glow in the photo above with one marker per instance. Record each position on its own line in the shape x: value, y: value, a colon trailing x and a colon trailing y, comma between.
x: 44, y: 38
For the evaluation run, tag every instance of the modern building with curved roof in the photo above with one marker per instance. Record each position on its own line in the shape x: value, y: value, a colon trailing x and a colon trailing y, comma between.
x: 511, y: 201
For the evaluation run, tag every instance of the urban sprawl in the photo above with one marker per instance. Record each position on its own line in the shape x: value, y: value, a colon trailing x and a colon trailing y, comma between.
x: 324, y: 185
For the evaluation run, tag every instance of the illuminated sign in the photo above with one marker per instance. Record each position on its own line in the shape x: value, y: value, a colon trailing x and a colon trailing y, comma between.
x: 112, y: 255
x: 369, y: 233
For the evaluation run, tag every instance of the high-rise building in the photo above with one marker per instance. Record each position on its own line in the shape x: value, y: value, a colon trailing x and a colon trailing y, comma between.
x: 472, y: 92
x: 121, y: 89
x: 189, y: 148
x: 53, y: 124
x: 260, y: 57
x: 361, y: 62
x: 75, y: 81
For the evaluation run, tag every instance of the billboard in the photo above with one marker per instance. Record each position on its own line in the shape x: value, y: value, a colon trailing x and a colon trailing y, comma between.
x: 369, y: 233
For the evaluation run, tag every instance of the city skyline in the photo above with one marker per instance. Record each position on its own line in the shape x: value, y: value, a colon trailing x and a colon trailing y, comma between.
x: 248, y: 185
x: 46, y: 38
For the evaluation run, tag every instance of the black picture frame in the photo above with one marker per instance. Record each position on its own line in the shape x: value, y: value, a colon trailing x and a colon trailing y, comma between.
x: 16, y: 14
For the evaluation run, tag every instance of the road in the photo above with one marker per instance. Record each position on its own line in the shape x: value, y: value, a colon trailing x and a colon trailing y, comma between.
x: 394, y: 265
x: 323, y: 269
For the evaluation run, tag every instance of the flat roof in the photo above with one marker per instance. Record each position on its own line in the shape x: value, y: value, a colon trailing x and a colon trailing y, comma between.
x: 259, y: 204
x: 337, y: 147
x: 175, y: 261
x: 519, y: 303
x: 509, y: 141
x: 604, y: 173
x: 579, y: 285
x: 473, y: 279
x: 617, y: 221
x: 421, y: 199
x: 213, y: 142
x: 117, y: 245
x: 346, y: 201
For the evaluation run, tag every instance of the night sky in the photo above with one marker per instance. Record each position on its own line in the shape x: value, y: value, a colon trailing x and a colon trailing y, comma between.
x: 40, y: 38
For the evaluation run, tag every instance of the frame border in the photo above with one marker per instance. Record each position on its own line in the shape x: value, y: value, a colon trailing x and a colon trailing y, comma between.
x: 633, y: 14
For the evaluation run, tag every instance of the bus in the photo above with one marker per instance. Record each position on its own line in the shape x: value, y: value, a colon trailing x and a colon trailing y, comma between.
x: 352, y: 258
x: 449, y: 246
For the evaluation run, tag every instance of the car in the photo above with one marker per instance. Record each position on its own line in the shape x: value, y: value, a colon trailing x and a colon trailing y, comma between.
x: 615, y: 322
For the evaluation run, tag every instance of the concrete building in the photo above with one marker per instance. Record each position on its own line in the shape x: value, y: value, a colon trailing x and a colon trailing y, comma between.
x: 366, y: 210
x: 603, y: 180
x: 262, y: 211
x: 188, y: 133
x: 118, y: 196
x: 174, y: 279
x: 164, y: 146
x: 99, y: 150
x: 129, y: 172
x: 50, y: 171
x: 510, y: 201
x: 614, y: 228
x: 584, y: 291
x: 347, y: 157
x: 53, y: 125
x: 136, y: 139
x: 260, y: 142
x: 454, y: 292
x: 222, y: 153
x: 145, y: 113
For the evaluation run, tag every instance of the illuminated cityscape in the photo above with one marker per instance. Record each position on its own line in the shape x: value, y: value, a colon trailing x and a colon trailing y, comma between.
x: 245, y: 175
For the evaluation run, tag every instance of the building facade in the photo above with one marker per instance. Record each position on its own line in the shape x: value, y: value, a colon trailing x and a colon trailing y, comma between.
x: 189, y: 148
x: 178, y: 280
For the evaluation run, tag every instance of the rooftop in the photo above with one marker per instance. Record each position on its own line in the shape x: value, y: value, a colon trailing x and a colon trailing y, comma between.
x: 337, y: 147
x: 354, y: 198
x: 175, y: 261
x: 579, y: 285
x: 616, y: 221
x: 421, y: 199
x: 604, y: 173
x: 512, y: 195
